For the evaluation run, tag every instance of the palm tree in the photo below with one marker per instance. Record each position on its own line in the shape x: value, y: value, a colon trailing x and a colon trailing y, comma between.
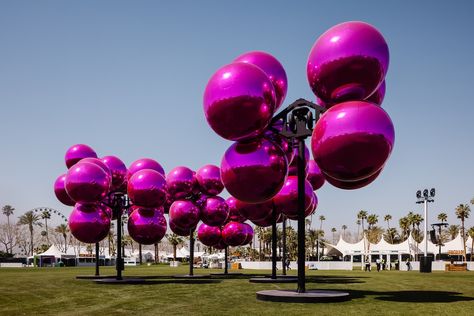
x: 174, y: 240
x: 462, y: 212
x: 372, y: 219
x: 358, y: 227
x: 404, y: 224
x: 387, y: 218
x: 7, y: 210
x: 442, y: 217
x: 470, y: 232
x: 63, y: 230
x: 453, y: 231
x: 321, y: 218
x: 362, y: 215
x: 312, y: 238
x: 333, y: 230
x: 344, y: 227
x: 31, y: 219
x: 417, y: 220
x: 46, y: 214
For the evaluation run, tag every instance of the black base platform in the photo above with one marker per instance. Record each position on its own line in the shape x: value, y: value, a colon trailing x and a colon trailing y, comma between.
x: 227, y: 274
x: 194, y: 276
x: 94, y: 277
x: 122, y: 281
x: 279, y: 279
x: 310, y: 296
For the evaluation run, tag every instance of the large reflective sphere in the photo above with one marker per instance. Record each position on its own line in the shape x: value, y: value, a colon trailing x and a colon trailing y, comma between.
x: 274, y: 70
x: 348, y: 62
x: 353, y: 184
x: 286, y: 201
x: 378, y: 96
x: 60, y: 191
x: 181, y: 182
x: 215, y: 211
x: 234, y: 234
x: 147, y: 188
x: 184, y: 214
x: 180, y: 231
x: 146, y: 225
x: 87, y: 182
x: 98, y: 162
x: 239, y: 101
x: 352, y: 140
x: 249, y: 231
x: 89, y: 223
x: 209, y: 179
x: 78, y: 152
x: 144, y: 163
x: 268, y: 220
x: 284, y: 144
x: 254, y: 172
x: 314, y: 175
x: 118, y: 171
x: 209, y: 235
x: 234, y: 214
x: 220, y: 245
x: 293, y: 169
x: 254, y: 211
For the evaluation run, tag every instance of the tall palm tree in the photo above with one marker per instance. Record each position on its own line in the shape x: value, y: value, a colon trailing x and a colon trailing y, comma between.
x: 7, y: 210
x: 372, y: 219
x: 453, y: 231
x: 46, y: 214
x: 312, y: 238
x: 443, y: 217
x: 387, y: 218
x: 417, y: 220
x: 174, y: 240
x: 470, y: 232
x: 344, y: 227
x: 404, y: 224
x: 462, y: 212
x: 333, y: 230
x: 31, y: 219
x: 362, y: 215
x: 63, y: 230
x: 358, y: 227
x: 321, y: 218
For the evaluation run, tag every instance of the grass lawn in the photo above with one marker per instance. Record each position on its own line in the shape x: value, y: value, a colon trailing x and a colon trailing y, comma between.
x: 55, y: 291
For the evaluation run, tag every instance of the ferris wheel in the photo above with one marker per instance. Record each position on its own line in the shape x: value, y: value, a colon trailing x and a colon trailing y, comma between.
x: 47, y: 212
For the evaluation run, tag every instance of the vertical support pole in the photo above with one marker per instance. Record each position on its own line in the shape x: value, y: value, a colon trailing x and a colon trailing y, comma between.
x: 274, y: 243
x: 140, y: 260
x: 439, y: 243
x: 283, y: 260
x: 119, y: 260
x: 301, y: 224
x: 191, y: 252
x: 97, y: 259
x: 226, y: 253
x: 426, y: 228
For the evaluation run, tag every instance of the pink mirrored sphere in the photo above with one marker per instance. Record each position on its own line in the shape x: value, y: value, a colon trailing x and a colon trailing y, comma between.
x: 184, y: 214
x: 249, y: 231
x: 234, y: 214
x: 268, y: 220
x: 118, y: 171
x: 209, y: 179
x: 293, y: 169
x: 348, y: 62
x: 180, y: 231
x: 60, y: 191
x: 147, y: 188
x: 286, y: 201
x: 147, y: 225
x: 378, y: 96
x: 254, y: 172
x: 89, y: 223
x: 352, y: 140
x: 353, y: 185
x: 87, y: 182
x: 254, y: 211
x: 78, y: 152
x: 315, y: 175
x: 215, y: 211
x: 234, y: 234
x: 272, y: 68
x: 220, y: 245
x: 209, y: 235
x: 239, y: 101
x: 282, y: 142
x: 181, y: 182
x: 144, y: 163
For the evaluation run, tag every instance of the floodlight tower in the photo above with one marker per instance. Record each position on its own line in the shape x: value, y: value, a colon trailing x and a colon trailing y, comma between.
x: 425, y: 198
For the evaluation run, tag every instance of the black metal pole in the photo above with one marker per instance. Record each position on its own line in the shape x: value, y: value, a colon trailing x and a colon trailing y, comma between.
x: 191, y: 252
x: 439, y: 242
x: 119, y: 260
x: 225, y: 259
x: 97, y: 259
x: 301, y: 223
x: 140, y: 260
x: 283, y: 260
x: 274, y: 243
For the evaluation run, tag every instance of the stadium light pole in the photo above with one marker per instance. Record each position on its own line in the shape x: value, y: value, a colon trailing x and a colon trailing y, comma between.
x: 425, y: 198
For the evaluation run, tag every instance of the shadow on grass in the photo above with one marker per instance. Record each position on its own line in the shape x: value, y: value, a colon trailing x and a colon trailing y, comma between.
x: 334, y: 279
x: 183, y: 281
x: 412, y: 296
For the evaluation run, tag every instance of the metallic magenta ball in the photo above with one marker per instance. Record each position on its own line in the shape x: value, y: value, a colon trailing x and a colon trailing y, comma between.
x: 181, y: 182
x: 353, y: 184
x: 293, y: 168
x: 220, y: 245
x: 378, y: 96
x: 78, y: 152
x: 234, y: 214
x: 234, y: 234
x: 314, y: 175
x: 282, y: 142
x: 89, y: 223
x: 200, y: 200
x: 146, y: 225
x: 209, y: 179
x: 255, y: 211
x: 87, y: 183
x: 118, y: 171
x: 274, y: 70
x: 144, y: 163
x: 249, y: 231
x: 107, y: 210
x: 209, y: 235
x: 286, y: 201
x: 255, y: 171
x: 215, y: 211
x: 352, y: 140
x: 60, y: 191
x: 180, y: 231
x: 98, y: 162
x: 267, y: 221
x: 347, y: 63
x: 239, y: 101
x: 147, y: 188
x: 184, y: 214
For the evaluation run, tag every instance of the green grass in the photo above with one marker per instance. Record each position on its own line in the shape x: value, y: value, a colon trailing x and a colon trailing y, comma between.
x: 55, y: 291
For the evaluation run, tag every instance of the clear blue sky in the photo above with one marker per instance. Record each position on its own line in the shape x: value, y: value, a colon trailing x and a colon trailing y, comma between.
x: 127, y: 78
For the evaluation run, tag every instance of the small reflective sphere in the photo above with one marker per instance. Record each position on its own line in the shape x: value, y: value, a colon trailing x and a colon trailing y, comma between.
x: 348, y: 62
x: 293, y: 169
x: 107, y: 210
x: 118, y: 171
x: 78, y: 152
x: 249, y: 231
x: 60, y: 191
x: 282, y: 142
x: 267, y: 221
x: 354, y: 184
x: 147, y: 188
x: 378, y: 96
x: 146, y: 225
x: 352, y: 140
x: 181, y: 182
x: 220, y: 245
x: 314, y: 175
x: 184, y: 214
x: 209, y: 235
x: 180, y: 231
x: 144, y: 163
x: 255, y: 211
x: 98, y: 162
x: 254, y: 172
x: 209, y: 179
x: 234, y: 234
x: 87, y: 182
x: 215, y: 211
x: 239, y: 101
x: 274, y: 70
x: 89, y: 223
x: 234, y: 214
x: 286, y: 201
